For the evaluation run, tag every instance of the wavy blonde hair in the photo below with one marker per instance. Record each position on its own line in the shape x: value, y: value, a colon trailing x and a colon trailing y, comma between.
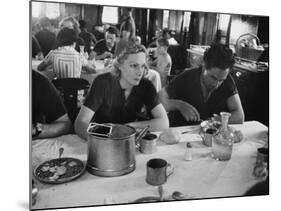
x: 131, y: 48
x: 73, y: 20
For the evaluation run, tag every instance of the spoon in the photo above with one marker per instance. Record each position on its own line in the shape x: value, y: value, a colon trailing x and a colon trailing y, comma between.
x: 61, y: 149
x: 178, y: 195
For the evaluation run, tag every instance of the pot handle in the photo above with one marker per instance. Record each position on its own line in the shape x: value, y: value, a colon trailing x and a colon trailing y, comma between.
x: 141, y: 134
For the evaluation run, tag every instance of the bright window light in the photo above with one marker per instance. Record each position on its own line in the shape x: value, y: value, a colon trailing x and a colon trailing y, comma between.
x: 110, y: 15
x: 41, y: 9
x: 186, y: 20
x: 166, y: 19
x: 223, y: 22
x: 52, y: 10
x: 36, y: 9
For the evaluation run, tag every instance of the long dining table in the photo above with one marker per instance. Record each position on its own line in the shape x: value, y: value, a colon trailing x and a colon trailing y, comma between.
x: 152, y: 74
x: 202, y: 177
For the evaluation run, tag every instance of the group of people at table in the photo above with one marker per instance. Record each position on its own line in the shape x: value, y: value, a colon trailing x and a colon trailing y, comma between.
x: 124, y: 95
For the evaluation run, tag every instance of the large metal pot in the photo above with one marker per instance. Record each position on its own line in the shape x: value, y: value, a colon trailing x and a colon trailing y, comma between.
x: 111, y: 149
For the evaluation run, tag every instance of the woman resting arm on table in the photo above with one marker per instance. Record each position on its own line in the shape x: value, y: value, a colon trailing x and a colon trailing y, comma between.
x: 121, y: 95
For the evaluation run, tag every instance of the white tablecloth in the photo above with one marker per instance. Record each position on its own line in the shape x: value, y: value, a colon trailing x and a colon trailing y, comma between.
x: 88, y: 76
x: 203, y: 177
x: 152, y: 75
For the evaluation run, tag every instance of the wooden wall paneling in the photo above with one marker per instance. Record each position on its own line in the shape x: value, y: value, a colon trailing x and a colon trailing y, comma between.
x: 90, y: 15
x: 73, y: 10
x: 140, y: 17
x: 62, y: 10
x: 159, y: 20
x: 210, y: 28
x: 227, y: 41
x: 152, y: 23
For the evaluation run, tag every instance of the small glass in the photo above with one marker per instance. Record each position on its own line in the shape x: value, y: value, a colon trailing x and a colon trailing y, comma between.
x: 223, y: 140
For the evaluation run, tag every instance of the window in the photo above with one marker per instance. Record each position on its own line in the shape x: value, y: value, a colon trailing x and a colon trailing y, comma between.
x: 166, y: 19
x: 110, y: 15
x: 223, y: 22
x: 36, y: 9
x: 50, y: 10
x: 186, y: 19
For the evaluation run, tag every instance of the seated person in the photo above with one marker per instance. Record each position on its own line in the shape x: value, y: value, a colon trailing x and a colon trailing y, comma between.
x: 163, y: 61
x: 127, y: 30
x: 120, y: 95
x: 36, y: 49
x: 98, y: 32
x: 105, y: 48
x: 49, y: 117
x: 71, y: 23
x: 88, y: 37
x: 201, y: 92
x: 46, y: 37
x: 166, y: 34
x: 65, y: 60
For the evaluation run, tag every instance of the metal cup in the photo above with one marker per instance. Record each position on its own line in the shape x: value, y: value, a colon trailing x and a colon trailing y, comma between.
x: 207, y: 136
x: 157, y: 172
x: 148, y: 144
x: 261, y: 167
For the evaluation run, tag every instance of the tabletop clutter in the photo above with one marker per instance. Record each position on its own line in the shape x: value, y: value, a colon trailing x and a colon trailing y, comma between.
x: 112, y: 150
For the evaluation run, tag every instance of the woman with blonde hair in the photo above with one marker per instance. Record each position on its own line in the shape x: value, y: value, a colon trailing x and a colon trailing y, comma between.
x: 119, y: 96
x: 70, y: 22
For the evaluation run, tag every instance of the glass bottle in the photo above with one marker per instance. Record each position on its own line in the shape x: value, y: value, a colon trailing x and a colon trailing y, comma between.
x: 223, y: 140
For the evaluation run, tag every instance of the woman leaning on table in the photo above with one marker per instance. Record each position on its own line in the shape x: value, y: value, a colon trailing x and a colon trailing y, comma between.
x: 121, y: 95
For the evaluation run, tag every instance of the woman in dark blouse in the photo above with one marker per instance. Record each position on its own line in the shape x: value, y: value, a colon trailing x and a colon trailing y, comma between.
x: 122, y: 95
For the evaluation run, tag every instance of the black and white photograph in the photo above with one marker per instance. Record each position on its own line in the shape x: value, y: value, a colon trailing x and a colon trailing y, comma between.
x: 138, y: 105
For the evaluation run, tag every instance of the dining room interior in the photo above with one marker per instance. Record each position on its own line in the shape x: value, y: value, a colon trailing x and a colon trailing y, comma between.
x: 86, y: 150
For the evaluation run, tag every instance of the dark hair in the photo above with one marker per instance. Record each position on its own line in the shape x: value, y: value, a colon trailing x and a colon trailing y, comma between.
x: 66, y: 37
x: 45, y: 22
x: 163, y: 42
x: 166, y: 31
x: 128, y: 9
x: 220, y: 56
x: 82, y: 24
x: 113, y: 30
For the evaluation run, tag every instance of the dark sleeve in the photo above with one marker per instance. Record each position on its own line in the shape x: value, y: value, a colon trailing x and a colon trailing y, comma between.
x: 98, y: 48
x: 229, y: 88
x: 96, y: 94
x: 151, y: 99
x: 176, y: 87
x: 51, y: 104
x: 35, y: 47
x: 93, y: 38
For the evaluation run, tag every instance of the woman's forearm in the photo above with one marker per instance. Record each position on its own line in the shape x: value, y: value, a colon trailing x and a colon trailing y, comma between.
x: 54, y: 129
x: 81, y: 129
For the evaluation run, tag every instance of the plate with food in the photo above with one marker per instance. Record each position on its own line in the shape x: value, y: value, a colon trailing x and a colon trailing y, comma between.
x: 60, y: 170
